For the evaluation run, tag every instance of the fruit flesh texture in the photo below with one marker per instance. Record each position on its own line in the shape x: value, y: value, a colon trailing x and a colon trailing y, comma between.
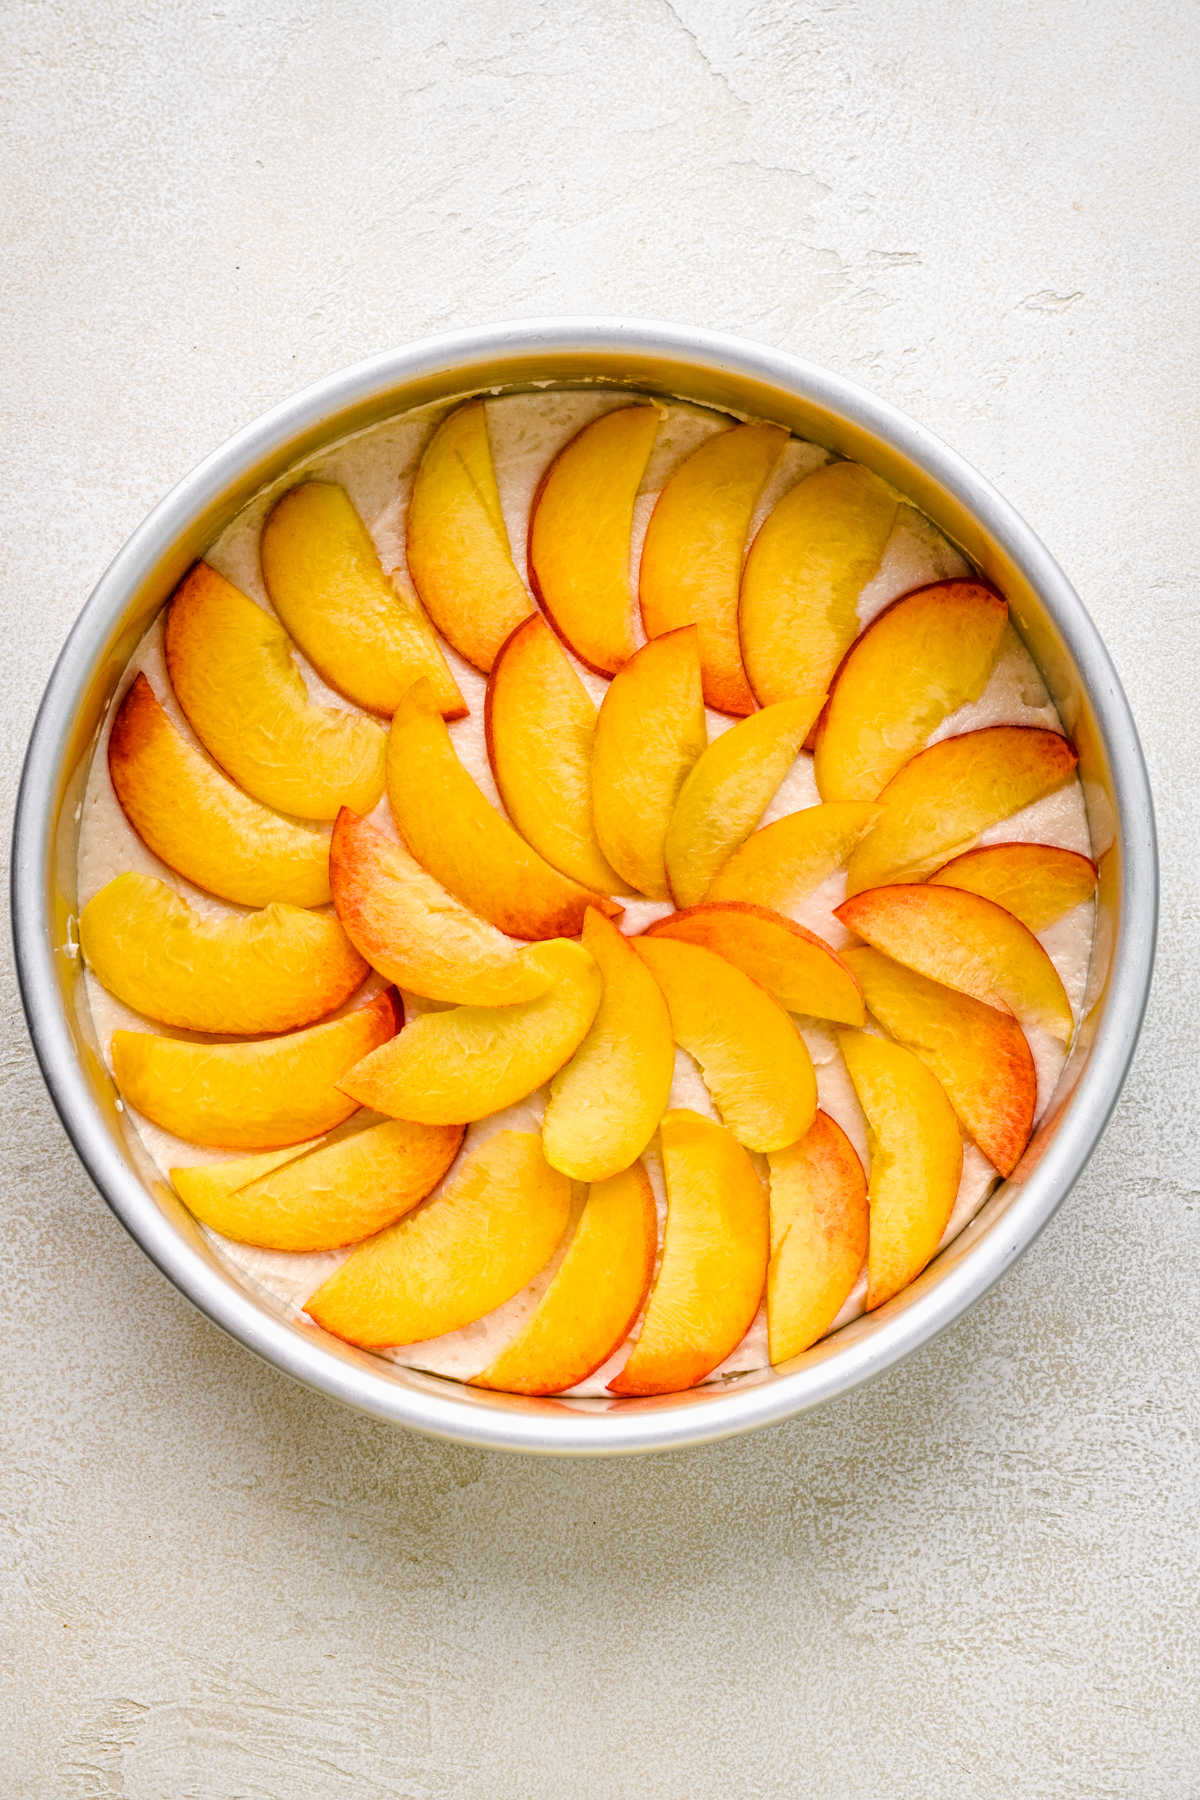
x: 233, y: 673
x: 366, y: 636
x: 595, y: 1296
x: 1037, y: 883
x: 793, y: 964
x: 808, y: 564
x: 466, y: 1251
x: 782, y: 862
x: 579, y: 532
x: 714, y: 1259
x: 199, y: 823
x: 273, y: 970
x: 692, y: 556
x: 819, y: 1234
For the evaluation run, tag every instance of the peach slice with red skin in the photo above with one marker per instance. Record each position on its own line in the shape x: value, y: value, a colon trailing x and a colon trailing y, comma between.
x: 918, y: 661
x: 367, y: 636
x: 692, y: 555
x: 714, y: 1259
x: 916, y: 1159
x: 964, y: 942
x: 814, y: 554
x: 605, y: 1104
x: 458, y: 550
x: 196, y: 821
x: 580, y: 526
x: 498, y: 1220
x: 234, y: 675
x: 782, y: 862
x: 414, y: 932
x: 336, y: 1193
x: 794, y: 964
x: 947, y: 795
x: 251, y: 1096
x: 596, y: 1293
x: 540, y: 723
x: 273, y: 970
x: 650, y: 730
x: 460, y: 839
x: 978, y: 1053
x: 1038, y: 883
x: 819, y: 1231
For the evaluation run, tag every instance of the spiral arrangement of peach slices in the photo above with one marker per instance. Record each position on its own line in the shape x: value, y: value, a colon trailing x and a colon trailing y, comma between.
x: 344, y: 1122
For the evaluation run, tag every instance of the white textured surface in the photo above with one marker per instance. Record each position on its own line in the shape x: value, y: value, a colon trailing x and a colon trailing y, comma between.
x: 976, y: 1578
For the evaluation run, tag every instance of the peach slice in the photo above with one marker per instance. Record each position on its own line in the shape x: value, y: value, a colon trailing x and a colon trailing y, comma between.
x: 579, y: 531
x: 1038, y: 883
x: 941, y: 801
x: 365, y: 635
x: 242, y: 975
x: 196, y: 821
x: 795, y: 965
x: 782, y: 862
x: 714, y: 1259
x: 649, y: 732
x: 965, y: 942
x: 695, y: 542
x: 458, y: 549
x: 255, y: 1096
x: 335, y: 1194
x: 727, y: 792
x: 413, y: 931
x: 754, y: 1062
x: 462, y: 1064
x: 605, y: 1104
x: 232, y: 670
x: 916, y: 1159
x: 807, y: 566
x: 465, y: 1252
x: 978, y: 1053
x: 917, y: 662
x: 540, y: 722
x: 819, y: 1227
x: 595, y: 1296
x: 464, y: 842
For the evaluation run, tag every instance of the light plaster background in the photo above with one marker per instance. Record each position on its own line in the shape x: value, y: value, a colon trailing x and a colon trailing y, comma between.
x: 976, y: 1578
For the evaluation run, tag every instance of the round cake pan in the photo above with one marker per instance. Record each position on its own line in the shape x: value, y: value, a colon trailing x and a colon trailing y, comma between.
x: 718, y: 371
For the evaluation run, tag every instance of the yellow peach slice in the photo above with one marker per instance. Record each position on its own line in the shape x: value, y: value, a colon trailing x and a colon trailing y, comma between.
x: 819, y: 1226
x: 795, y: 965
x: 1038, y: 883
x: 695, y: 542
x: 579, y: 531
x: 714, y: 1259
x: 941, y: 801
x: 254, y: 1096
x: 978, y: 1053
x: 449, y: 1067
x: 415, y: 933
x: 540, y: 722
x: 916, y: 1159
x: 808, y: 564
x: 754, y: 1062
x: 233, y: 673
x: 335, y: 1194
x: 649, y: 732
x: 367, y: 637
x: 464, y: 842
x: 458, y: 549
x: 917, y: 662
x: 782, y: 862
x: 728, y: 790
x: 243, y: 975
x: 596, y: 1294
x: 209, y: 1186
x: 965, y: 942
x: 196, y: 821
x: 465, y: 1252
x: 605, y: 1104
